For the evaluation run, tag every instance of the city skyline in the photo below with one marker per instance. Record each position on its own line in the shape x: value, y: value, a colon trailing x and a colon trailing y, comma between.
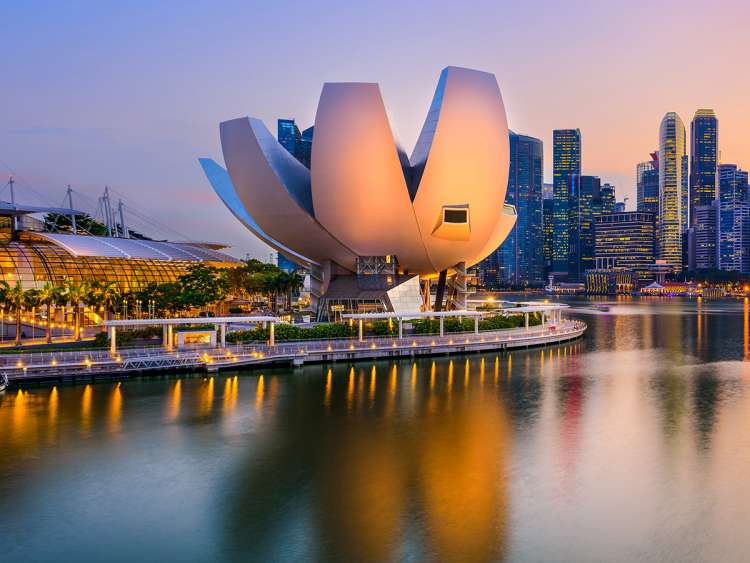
x: 136, y: 115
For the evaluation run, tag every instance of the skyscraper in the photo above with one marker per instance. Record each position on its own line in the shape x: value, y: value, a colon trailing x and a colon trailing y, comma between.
x: 605, y: 200
x: 303, y: 148
x: 672, y: 190
x: 647, y: 181
x: 585, y: 192
x: 521, y: 260
x: 288, y: 134
x: 734, y: 219
x: 703, y: 253
x: 297, y: 144
x: 625, y: 240
x: 704, y: 154
x: 548, y: 213
x: 566, y: 162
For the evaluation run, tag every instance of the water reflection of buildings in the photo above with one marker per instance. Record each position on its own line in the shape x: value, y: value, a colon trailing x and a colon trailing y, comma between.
x: 401, y: 458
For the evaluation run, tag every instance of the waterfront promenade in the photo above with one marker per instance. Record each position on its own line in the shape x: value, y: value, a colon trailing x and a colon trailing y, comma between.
x: 93, y: 364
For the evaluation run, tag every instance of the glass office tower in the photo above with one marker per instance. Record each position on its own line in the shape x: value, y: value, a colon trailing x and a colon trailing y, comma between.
x: 734, y: 222
x: 584, y: 197
x: 288, y: 134
x: 566, y: 162
x: 647, y: 181
x: 704, y: 155
x: 673, y: 195
x: 547, y: 210
x: 626, y: 240
x: 521, y: 260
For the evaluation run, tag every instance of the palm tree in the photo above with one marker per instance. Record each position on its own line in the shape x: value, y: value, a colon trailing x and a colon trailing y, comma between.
x: 32, y: 301
x: 15, y: 299
x: 75, y: 292
x: 49, y: 296
x: 4, y: 289
x: 105, y: 295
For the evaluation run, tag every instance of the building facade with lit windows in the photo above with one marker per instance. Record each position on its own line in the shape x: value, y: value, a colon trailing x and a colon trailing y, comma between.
x: 625, y: 241
x: 733, y: 219
x: 704, y: 236
x: 673, y: 193
x: 647, y: 182
x: 704, y: 158
x: 585, y: 199
x: 519, y: 261
x: 566, y: 163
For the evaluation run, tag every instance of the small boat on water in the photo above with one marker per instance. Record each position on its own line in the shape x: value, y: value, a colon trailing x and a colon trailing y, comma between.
x: 3, y: 381
x: 602, y: 308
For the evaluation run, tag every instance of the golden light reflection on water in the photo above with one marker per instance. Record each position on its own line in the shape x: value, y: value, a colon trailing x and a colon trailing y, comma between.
x: 86, y: 408
x: 350, y: 390
x: 175, y: 399
x: 373, y: 380
x: 114, y: 412
x: 230, y: 394
x: 206, y: 397
x: 327, y: 400
x: 259, y: 392
x: 53, y: 406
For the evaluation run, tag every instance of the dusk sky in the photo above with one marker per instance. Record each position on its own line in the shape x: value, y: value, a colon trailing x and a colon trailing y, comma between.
x: 130, y: 94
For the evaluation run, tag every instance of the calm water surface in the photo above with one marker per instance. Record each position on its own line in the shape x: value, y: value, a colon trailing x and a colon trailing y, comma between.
x: 632, y: 444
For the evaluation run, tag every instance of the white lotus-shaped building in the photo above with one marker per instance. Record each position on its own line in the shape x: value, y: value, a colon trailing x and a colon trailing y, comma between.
x: 363, y: 199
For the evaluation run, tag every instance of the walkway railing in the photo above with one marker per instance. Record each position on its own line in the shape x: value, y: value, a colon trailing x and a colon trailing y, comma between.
x: 34, y: 364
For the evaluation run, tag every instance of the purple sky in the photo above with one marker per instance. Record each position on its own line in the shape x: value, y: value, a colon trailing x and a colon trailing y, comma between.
x: 130, y: 94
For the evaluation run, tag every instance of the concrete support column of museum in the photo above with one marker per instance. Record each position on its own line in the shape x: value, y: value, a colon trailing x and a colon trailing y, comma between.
x: 170, y: 338
x: 526, y: 320
x: 271, y: 334
x: 476, y: 325
x: 112, y: 340
x: 400, y: 328
x: 164, y: 338
x: 442, y: 327
x: 361, y: 331
x: 223, y: 328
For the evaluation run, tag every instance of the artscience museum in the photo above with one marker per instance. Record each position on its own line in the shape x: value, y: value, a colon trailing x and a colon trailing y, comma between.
x: 374, y: 226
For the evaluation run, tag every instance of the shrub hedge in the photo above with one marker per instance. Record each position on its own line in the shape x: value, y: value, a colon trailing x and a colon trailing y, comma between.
x: 285, y: 332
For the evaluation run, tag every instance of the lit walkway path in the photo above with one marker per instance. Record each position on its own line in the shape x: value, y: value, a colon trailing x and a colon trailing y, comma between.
x: 72, y: 365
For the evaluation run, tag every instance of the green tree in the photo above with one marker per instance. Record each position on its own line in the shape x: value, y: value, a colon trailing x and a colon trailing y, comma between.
x: 104, y: 295
x: 75, y: 293
x: 201, y: 285
x: 15, y: 301
x: 50, y: 295
x: 57, y: 221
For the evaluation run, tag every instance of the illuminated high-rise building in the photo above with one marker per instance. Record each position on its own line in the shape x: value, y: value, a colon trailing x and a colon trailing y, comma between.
x: 704, y: 236
x: 704, y: 156
x: 625, y: 241
x: 647, y: 182
x: 734, y: 220
x: 288, y: 134
x: 566, y: 162
x: 549, y: 234
x: 585, y: 193
x: 673, y: 193
x: 520, y: 257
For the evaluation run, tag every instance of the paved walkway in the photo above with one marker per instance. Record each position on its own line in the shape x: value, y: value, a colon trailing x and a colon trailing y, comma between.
x: 72, y: 365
